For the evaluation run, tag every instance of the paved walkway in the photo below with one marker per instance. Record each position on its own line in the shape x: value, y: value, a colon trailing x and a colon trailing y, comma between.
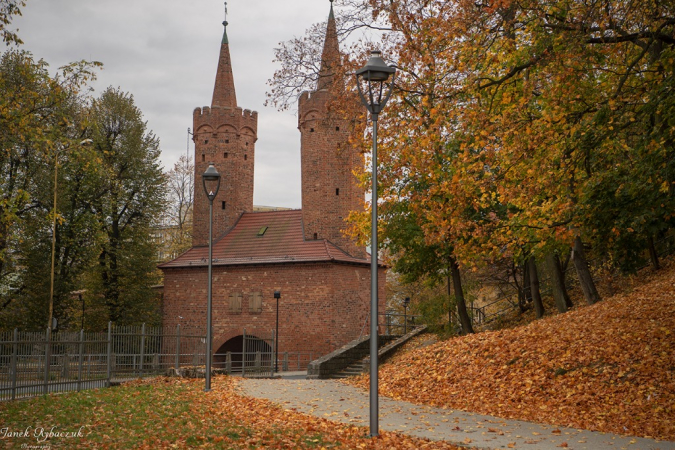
x: 336, y: 401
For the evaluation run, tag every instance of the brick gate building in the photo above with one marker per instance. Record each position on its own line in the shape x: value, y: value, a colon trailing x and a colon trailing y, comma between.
x: 323, y: 277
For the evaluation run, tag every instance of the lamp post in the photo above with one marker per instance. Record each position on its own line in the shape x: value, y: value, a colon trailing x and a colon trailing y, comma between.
x: 374, y: 74
x: 406, y: 302
x: 211, y: 182
x: 277, y: 296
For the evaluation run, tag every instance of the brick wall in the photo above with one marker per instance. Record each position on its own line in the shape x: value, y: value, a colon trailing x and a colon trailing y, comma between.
x: 329, y: 187
x: 226, y: 137
x: 322, y: 306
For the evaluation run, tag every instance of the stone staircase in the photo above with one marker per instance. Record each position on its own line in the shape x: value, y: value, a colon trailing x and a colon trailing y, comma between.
x: 351, y: 370
x: 387, y: 347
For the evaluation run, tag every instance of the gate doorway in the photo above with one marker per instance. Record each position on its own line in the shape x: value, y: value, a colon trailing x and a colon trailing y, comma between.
x: 247, y: 354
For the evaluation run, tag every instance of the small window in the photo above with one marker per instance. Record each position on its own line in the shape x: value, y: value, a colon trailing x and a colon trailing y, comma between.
x: 337, y: 191
x: 235, y: 303
x: 247, y: 144
x: 245, y: 157
x: 311, y: 130
x: 203, y: 158
x: 337, y: 128
x: 316, y: 236
x: 206, y: 141
x: 255, y: 303
x: 227, y: 141
x: 225, y: 155
x: 262, y: 231
x: 223, y: 205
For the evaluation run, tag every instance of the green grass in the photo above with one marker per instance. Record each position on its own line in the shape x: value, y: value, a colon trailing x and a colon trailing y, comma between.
x: 122, y: 417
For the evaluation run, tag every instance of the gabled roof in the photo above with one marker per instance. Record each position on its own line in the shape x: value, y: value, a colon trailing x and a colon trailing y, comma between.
x: 271, y: 237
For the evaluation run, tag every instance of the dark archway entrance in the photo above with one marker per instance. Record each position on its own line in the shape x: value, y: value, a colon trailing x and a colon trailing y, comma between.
x: 257, y: 353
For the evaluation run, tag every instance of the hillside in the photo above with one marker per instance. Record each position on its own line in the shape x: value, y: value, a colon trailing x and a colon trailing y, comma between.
x: 607, y: 367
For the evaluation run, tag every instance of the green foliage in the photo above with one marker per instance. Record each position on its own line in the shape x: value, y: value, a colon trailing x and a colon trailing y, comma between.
x: 109, y: 190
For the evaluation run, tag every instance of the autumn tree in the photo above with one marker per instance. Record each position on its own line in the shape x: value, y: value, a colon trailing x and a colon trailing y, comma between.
x: 41, y: 126
x: 178, y: 219
x: 8, y: 10
x: 129, y: 203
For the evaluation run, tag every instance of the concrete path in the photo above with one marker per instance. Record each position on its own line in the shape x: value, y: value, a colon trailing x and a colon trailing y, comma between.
x: 336, y: 401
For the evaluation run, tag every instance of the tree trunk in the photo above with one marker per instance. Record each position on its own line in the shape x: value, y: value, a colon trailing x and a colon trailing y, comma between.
x: 652, y: 253
x: 585, y: 279
x: 464, y: 318
x: 534, y: 287
x: 562, y: 299
x: 450, y: 309
x: 521, y: 291
x: 527, y: 287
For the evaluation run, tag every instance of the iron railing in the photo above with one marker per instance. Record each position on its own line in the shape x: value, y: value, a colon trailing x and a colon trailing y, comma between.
x: 36, y: 363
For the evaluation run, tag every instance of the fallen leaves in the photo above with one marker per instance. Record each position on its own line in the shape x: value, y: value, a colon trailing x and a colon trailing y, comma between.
x: 163, y: 413
x: 608, y: 367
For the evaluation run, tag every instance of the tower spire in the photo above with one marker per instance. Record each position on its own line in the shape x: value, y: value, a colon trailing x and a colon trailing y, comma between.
x: 330, y: 58
x: 224, y: 94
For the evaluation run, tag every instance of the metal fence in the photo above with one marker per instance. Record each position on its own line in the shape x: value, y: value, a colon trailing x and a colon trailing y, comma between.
x: 36, y: 363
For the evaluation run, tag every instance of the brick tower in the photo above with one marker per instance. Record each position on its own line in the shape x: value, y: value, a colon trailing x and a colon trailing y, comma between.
x: 225, y: 135
x: 329, y: 188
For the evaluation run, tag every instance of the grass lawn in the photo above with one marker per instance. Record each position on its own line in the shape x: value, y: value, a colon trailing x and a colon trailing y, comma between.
x: 176, y: 413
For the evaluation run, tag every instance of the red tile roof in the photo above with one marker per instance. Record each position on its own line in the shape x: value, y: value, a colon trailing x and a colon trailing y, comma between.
x: 282, y: 242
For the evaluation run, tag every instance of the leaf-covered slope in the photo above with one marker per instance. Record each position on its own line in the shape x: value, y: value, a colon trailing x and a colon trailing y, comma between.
x: 607, y: 367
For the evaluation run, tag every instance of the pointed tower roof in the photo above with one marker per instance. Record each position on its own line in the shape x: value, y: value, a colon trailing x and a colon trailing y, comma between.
x: 224, y: 94
x: 330, y: 58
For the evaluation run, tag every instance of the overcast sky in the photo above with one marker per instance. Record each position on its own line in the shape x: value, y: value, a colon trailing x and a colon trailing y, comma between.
x: 165, y: 53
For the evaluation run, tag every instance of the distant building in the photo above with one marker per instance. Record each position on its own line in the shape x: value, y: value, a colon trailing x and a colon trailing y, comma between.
x: 323, y: 276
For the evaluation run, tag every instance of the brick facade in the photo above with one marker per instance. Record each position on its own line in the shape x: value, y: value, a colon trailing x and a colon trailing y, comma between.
x: 226, y: 137
x: 322, y: 305
x: 324, y: 278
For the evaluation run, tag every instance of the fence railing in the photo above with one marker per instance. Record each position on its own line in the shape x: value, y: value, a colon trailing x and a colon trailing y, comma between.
x: 36, y: 363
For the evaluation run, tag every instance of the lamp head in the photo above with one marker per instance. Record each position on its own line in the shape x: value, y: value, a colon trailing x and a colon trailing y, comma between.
x: 211, y: 181
x: 277, y: 294
x: 374, y: 76
x: 375, y: 69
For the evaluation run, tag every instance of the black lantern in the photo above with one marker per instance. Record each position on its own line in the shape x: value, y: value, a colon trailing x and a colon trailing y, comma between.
x: 211, y: 181
x: 374, y: 75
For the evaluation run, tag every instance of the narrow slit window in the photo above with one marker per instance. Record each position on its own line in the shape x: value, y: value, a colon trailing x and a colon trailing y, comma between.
x: 245, y: 157
x: 223, y: 204
x: 316, y: 236
x: 337, y: 191
x: 225, y: 155
x: 203, y: 158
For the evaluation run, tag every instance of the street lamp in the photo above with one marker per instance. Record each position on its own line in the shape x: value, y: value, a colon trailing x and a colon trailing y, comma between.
x: 277, y: 296
x: 406, y: 302
x: 211, y: 182
x: 375, y: 74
